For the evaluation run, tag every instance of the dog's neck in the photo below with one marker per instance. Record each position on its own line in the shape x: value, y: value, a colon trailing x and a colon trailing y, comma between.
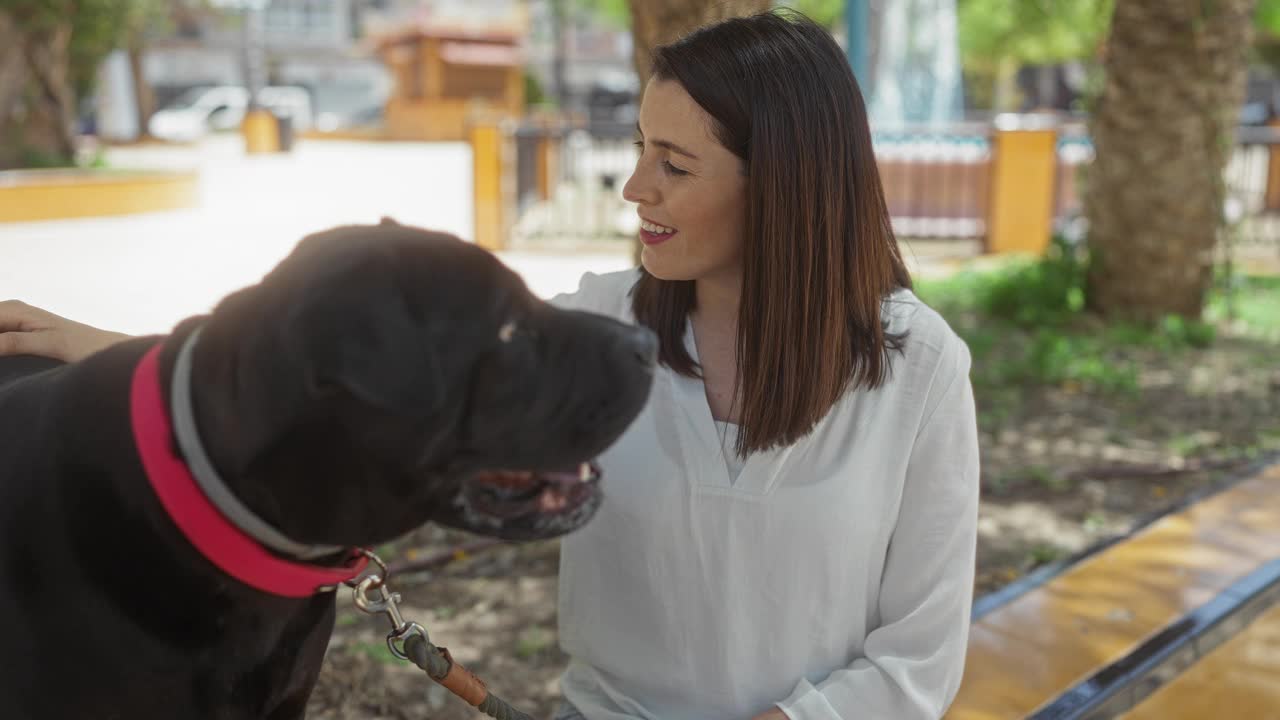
x: 248, y: 423
x: 232, y: 433
x: 186, y: 434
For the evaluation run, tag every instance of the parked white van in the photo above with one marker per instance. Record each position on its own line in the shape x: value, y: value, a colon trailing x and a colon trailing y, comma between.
x: 222, y: 107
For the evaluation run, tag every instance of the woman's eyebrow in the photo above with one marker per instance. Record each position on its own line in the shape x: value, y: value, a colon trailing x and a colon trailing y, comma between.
x: 668, y: 145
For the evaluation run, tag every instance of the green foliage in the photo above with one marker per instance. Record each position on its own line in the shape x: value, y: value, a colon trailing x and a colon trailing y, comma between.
x: 614, y: 13
x: 1037, y: 32
x: 34, y: 158
x: 376, y: 651
x: 534, y: 641
x: 1043, y: 554
x: 827, y: 13
x: 534, y: 95
x: 1249, y: 304
x: 1266, y: 17
x: 1046, y: 292
x: 1026, y: 324
x: 1030, y: 32
x: 97, y: 28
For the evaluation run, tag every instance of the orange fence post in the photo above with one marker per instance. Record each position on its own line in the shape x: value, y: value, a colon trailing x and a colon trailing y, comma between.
x: 1271, y: 201
x: 1023, y: 168
x: 261, y: 135
x: 489, y: 196
x: 548, y: 162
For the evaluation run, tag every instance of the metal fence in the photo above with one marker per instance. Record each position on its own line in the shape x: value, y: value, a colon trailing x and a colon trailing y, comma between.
x: 937, y: 183
x: 1252, y: 206
x: 577, y: 195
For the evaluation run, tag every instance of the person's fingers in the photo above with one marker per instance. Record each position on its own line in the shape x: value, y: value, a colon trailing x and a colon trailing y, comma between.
x: 16, y: 315
x: 35, y: 342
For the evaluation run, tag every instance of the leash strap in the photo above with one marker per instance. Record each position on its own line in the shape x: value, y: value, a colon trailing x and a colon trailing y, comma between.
x: 441, y: 667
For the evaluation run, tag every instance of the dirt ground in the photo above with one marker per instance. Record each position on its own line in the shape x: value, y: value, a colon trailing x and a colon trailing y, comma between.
x: 1062, y: 468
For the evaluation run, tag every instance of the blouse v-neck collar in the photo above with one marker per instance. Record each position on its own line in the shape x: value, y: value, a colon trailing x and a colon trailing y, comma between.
x: 706, y: 467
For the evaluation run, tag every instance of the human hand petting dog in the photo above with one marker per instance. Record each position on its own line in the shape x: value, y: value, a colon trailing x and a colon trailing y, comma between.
x: 27, y: 330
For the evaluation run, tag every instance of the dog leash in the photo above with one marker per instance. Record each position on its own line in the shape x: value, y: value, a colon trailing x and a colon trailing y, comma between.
x: 409, y: 641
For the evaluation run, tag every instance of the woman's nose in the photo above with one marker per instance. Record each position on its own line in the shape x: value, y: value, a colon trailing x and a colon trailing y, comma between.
x: 638, y: 189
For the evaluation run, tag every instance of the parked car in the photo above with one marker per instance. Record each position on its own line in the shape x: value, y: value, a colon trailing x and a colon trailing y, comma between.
x: 202, y: 110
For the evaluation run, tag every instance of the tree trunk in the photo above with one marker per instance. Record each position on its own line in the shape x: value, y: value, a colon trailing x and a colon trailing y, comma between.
x: 37, y: 106
x: 12, y: 80
x: 50, y: 120
x: 143, y: 96
x: 559, y: 48
x: 656, y: 22
x: 1163, y: 130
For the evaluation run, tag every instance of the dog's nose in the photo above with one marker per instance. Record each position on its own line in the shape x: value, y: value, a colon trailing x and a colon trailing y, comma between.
x: 641, y: 344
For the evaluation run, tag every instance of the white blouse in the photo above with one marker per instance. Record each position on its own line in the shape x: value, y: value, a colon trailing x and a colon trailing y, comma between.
x: 832, y: 578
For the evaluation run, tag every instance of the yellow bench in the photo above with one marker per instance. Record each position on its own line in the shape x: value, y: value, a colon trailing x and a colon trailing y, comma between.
x: 1098, y: 638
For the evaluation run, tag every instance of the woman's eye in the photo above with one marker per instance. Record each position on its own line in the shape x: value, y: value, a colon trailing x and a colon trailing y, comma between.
x: 666, y: 164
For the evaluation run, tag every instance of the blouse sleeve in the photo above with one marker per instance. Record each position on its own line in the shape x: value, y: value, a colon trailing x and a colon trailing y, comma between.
x: 914, y: 660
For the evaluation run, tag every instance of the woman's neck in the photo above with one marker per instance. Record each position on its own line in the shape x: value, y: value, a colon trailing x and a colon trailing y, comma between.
x: 715, y: 332
x: 716, y: 304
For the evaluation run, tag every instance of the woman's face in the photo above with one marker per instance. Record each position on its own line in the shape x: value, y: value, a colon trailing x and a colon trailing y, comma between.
x: 690, y: 189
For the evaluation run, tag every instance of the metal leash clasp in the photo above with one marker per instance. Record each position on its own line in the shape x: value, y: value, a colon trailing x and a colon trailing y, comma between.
x: 386, y: 602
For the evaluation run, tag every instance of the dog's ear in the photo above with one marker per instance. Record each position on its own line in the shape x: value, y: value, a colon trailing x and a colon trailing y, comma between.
x: 361, y: 337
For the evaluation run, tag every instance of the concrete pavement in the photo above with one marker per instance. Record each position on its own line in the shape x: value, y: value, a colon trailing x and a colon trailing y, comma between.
x: 143, y: 273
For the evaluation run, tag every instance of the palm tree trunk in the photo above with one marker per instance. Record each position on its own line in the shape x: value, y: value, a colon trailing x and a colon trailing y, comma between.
x: 1163, y: 130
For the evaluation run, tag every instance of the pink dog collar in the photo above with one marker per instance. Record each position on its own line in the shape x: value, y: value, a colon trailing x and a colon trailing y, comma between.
x: 220, y: 541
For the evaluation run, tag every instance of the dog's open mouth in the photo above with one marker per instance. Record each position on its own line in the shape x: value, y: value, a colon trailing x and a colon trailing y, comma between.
x: 507, y: 494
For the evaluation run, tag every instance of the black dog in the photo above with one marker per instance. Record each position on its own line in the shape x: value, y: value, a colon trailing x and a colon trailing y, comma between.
x: 379, y: 378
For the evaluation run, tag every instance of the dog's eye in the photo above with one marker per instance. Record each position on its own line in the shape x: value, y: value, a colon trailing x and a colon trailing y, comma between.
x: 513, y: 330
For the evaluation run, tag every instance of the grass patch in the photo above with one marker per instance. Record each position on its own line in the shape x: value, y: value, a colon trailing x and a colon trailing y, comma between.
x: 376, y: 651
x: 1248, y: 305
x: 1025, y: 323
x: 533, y: 641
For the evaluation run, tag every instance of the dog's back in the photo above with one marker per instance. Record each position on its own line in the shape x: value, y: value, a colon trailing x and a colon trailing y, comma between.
x: 16, y: 367
x: 89, y: 569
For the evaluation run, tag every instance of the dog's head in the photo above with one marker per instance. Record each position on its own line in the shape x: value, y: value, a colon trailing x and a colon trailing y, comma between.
x: 386, y: 376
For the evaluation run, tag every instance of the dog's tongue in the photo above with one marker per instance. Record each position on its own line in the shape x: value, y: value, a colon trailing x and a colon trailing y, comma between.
x: 553, y: 499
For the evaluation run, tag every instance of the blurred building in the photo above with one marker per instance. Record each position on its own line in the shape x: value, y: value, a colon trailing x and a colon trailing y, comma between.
x: 345, y: 53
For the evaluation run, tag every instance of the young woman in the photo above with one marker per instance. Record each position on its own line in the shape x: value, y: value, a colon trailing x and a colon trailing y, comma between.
x: 790, y: 525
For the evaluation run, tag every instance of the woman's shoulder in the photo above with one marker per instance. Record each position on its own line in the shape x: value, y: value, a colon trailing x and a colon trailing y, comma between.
x: 931, y: 346
x: 604, y: 293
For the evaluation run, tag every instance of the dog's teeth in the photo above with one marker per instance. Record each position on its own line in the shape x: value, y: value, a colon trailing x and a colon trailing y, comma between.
x: 584, y: 472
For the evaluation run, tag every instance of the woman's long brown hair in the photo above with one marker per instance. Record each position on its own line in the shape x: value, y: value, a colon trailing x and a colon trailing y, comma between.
x: 820, y: 257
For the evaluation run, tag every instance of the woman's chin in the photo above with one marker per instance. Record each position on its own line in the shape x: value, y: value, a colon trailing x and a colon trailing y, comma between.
x: 656, y: 265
